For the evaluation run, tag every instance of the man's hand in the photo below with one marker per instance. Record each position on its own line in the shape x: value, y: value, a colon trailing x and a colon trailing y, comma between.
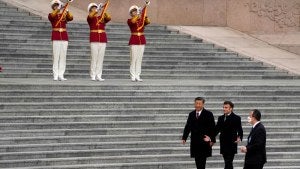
x: 183, y: 142
x: 244, y: 149
x: 238, y: 140
x: 206, y: 138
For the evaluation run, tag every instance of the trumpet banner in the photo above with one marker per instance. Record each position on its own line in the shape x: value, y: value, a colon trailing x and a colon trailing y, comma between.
x: 105, y: 6
x: 63, y: 13
x: 141, y: 23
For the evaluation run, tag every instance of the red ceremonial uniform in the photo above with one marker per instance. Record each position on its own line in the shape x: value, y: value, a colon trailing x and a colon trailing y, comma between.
x: 59, y: 32
x: 97, y: 32
x: 137, y: 36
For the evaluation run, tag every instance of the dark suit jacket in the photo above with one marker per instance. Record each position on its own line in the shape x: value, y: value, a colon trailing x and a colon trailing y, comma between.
x: 229, y: 131
x: 204, y: 125
x: 256, y: 147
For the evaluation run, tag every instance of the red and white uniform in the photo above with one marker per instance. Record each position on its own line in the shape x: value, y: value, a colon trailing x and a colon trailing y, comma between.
x: 60, y: 42
x: 137, y: 45
x: 98, y: 42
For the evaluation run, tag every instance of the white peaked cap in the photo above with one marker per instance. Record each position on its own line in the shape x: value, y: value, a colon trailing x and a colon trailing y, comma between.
x: 55, y: 2
x: 91, y: 5
x: 133, y: 7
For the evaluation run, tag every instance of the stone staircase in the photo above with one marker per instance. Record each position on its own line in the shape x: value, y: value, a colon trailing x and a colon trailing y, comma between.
x: 26, y: 51
x: 79, y: 124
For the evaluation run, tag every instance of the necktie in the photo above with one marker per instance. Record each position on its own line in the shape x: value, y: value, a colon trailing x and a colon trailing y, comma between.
x: 249, y: 137
x: 251, y: 130
x: 225, y: 117
x: 197, y: 115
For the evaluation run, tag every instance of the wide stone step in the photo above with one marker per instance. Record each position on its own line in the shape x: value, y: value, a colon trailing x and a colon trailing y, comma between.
x: 141, y: 117
x: 5, y: 8
x: 44, y: 33
x: 75, y: 45
x: 200, y: 56
x: 120, y: 50
x: 152, y: 38
x: 19, y: 17
x: 115, y: 131
x: 96, y: 96
x: 151, y: 72
x: 55, y: 112
x: 111, y: 32
x: 85, y: 41
x: 25, y: 96
x: 166, y: 86
x: 110, y: 152
x: 82, y: 32
x: 156, y: 61
x: 90, y: 142
x: 14, y: 13
x: 107, y: 105
x: 116, y: 145
x: 125, y: 159
x: 46, y: 41
x: 12, y: 65
x: 272, y: 131
x: 86, y: 47
x: 79, y: 25
x: 150, y: 76
x: 84, y: 28
x: 124, y: 76
x: 280, y: 164
x: 123, y: 124
x: 153, y: 93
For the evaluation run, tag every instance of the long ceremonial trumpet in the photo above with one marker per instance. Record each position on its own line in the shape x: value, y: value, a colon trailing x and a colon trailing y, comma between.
x: 65, y: 9
x: 142, y: 14
x: 104, y: 6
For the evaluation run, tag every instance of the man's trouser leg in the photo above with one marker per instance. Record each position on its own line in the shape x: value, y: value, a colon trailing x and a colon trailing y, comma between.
x: 228, y: 159
x: 200, y: 162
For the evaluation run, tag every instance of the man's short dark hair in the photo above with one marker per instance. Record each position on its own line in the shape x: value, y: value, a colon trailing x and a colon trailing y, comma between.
x: 229, y: 103
x: 256, y: 114
x: 200, y: 99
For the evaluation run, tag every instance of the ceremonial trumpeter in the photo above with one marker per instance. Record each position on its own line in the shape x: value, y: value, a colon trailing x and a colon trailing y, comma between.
x: 137, y: 41
x: 59, y: 18
x: 97, y: 20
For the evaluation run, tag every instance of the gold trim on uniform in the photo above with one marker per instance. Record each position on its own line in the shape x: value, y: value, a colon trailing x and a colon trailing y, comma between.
x: 59, y: 29
x: 98, y: 31
x: 137, y: 33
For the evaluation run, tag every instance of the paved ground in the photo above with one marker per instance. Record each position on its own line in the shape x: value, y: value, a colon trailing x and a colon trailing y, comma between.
x: 246, y: 45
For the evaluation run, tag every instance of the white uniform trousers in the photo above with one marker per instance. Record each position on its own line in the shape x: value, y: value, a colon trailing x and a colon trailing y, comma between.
x: 136, y: 57
x: 97, y: 57
x: 59, y: 58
